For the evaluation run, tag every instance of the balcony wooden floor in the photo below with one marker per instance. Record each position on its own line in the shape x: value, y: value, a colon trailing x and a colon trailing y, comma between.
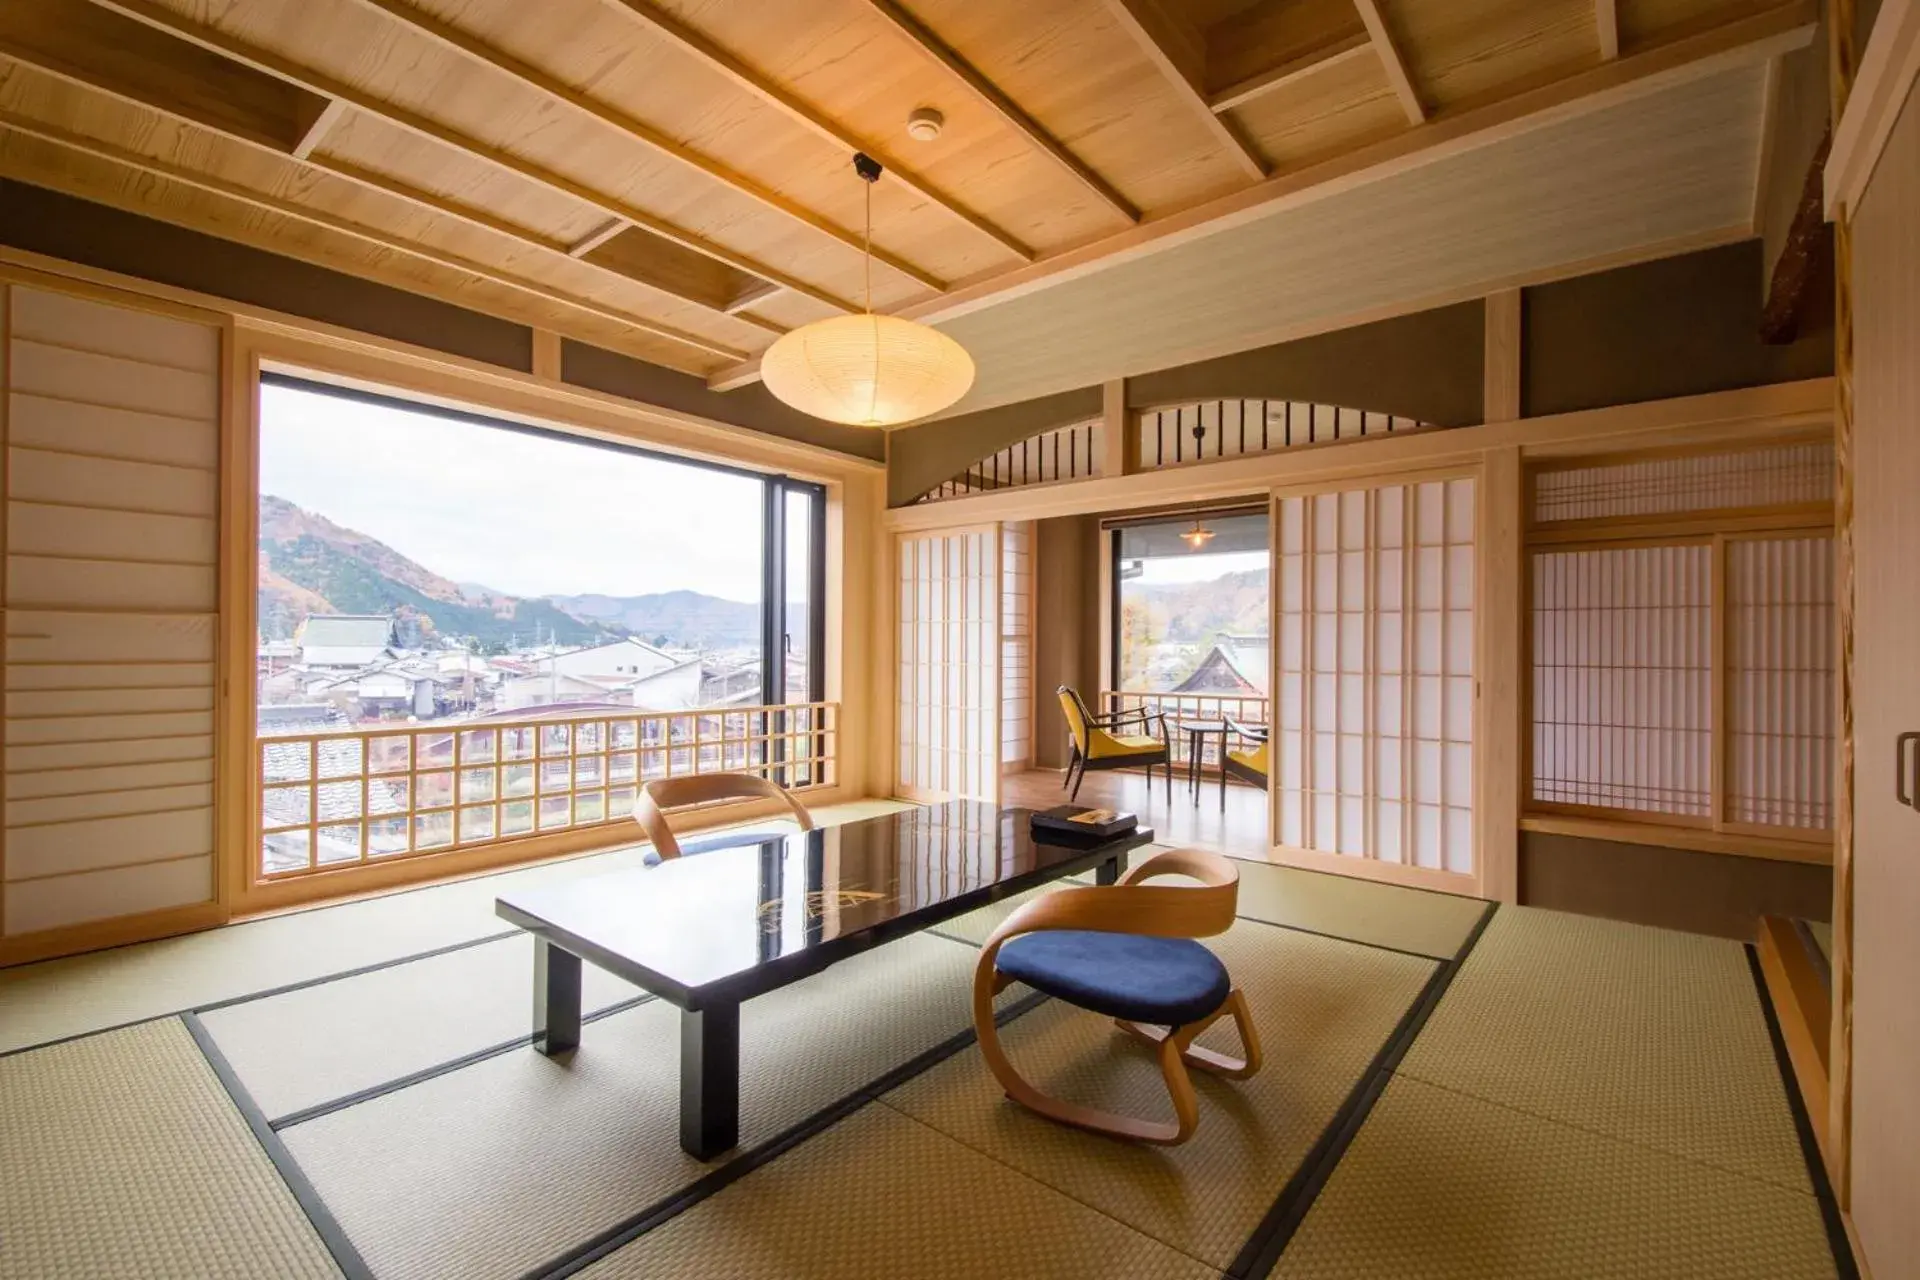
x: 1237, y: 828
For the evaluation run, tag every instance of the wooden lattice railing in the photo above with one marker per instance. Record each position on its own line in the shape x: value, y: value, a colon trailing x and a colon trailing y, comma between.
x: 348, y: 797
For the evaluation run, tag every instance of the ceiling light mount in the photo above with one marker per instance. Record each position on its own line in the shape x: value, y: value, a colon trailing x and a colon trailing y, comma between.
x: 925, y: 123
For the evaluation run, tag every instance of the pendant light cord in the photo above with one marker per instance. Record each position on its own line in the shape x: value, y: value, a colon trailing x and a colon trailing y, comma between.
x: 867, y: 245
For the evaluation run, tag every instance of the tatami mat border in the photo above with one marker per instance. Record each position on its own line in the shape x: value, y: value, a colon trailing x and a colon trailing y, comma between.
x: 424, y: 1074
x: 269, y: 992
x: 1843, y: 1260
x: 345, y: 1256
x: 623, y: 1233
x: 1269, y: 1240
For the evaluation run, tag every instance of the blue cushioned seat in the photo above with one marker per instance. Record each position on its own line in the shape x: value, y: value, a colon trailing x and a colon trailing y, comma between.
x: 1159, y: 981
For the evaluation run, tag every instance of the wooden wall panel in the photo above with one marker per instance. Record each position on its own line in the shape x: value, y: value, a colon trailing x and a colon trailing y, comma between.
x: 62, y: 901
x: 111, y: 551
x: 1885, y: 1128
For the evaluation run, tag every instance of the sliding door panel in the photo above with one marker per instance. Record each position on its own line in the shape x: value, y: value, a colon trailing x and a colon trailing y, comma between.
x: 948, y: 648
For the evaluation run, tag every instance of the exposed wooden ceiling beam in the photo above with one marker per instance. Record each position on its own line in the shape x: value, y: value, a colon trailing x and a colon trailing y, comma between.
x: 598, y: 236
x: 1743, y: 41
x: 971, y: 78
x: 316, y: 131
x: 567, y: 96
x: 486, y: 221
x: 370, y: 235
x: 163, y: 59
x: 1179, y: 51
x: 1345, y: 49
x: 1390, y: 60
x: 215, y: 40
x: 1606, y: 21
x: 762, y: 87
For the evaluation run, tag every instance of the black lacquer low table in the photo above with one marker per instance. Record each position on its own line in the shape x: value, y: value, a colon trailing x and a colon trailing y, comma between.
x: 712, y: 929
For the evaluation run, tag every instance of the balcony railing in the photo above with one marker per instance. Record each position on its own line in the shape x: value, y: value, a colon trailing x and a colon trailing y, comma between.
x: 352, y: 797
x: 1247, y: 709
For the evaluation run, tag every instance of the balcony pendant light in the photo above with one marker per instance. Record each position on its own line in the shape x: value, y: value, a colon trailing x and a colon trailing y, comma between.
x: 867, y: 370
x: 1198, y: 536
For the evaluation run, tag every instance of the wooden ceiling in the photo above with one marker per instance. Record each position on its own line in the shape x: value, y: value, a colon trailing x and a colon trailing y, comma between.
x: 671, y: 178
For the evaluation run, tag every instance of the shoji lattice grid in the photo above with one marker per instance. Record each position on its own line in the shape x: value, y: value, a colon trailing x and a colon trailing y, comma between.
x: 1623, y: 678
x: 1016, y: 642
x: 1374, y: 751
x: 1781, y: 475
x: 949, y: 646
x: 1780, y: 681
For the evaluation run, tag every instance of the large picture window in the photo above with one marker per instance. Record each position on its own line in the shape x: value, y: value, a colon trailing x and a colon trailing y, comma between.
x: 472, y: 631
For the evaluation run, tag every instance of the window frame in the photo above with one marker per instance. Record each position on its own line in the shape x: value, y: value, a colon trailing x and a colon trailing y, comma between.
x: 1718, y: 529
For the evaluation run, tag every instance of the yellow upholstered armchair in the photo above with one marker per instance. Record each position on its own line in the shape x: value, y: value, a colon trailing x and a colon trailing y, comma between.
x: 1102, y: 742
x: 1249, y: 758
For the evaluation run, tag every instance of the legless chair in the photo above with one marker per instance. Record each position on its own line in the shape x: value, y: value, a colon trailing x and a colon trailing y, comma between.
x: 655, y: 798
x: 1127, y: 951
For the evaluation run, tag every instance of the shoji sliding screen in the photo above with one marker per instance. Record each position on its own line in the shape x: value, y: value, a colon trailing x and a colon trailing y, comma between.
x: 1683, y: 638
x: 1016, y: 645
x: 1374, y: 714
x: 111, y: 437
x: 948, y: 649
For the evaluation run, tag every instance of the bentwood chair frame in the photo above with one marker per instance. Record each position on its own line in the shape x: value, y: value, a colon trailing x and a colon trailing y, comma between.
x: 1079, y: 760
x: 1165, y: 911
x: 656, y: 797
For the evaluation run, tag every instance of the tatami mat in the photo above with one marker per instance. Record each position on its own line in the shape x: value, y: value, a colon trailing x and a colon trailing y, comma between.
x: 1646, y: 1035
x: 499, y: 1167
x: 319, y: 1043
x: 121, y: 1155
x: 1323, y: 1008
x: 1440, y: 1186
x: 41, y: 1002
x: 880, y: 1195
x: 1383, y: 915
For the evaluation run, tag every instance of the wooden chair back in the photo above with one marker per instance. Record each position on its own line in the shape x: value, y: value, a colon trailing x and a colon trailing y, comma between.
x: 655, y: 798
x: 1079, y: 719
x: 1132, y: 906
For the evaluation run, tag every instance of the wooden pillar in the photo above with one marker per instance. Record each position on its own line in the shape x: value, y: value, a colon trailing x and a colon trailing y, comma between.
x: 1840, y: 71
x: 1121, y: 443
x: 1500, y: 396
x: 1501, y: 711
x: 546, y: 355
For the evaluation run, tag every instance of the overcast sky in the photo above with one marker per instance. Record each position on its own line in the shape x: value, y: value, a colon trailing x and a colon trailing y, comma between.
x: 522, y: 514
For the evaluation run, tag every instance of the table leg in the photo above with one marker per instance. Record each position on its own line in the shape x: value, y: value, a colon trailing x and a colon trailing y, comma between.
x: 710, y: 1080
x: 1108, y: 872
x: 556, y: 998
x: 1223, y: 772
x: 1193, y: 767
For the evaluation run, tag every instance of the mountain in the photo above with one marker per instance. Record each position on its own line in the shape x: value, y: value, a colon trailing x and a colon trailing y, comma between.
x: 685, y: 617
x: 308, y: 564
x: 1196, y: 612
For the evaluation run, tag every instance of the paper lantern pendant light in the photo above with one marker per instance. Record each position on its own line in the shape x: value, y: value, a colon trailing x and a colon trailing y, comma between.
x: 867, y: 370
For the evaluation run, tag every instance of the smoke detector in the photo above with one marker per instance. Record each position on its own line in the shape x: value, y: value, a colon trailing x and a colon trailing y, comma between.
x: 924, y: 124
